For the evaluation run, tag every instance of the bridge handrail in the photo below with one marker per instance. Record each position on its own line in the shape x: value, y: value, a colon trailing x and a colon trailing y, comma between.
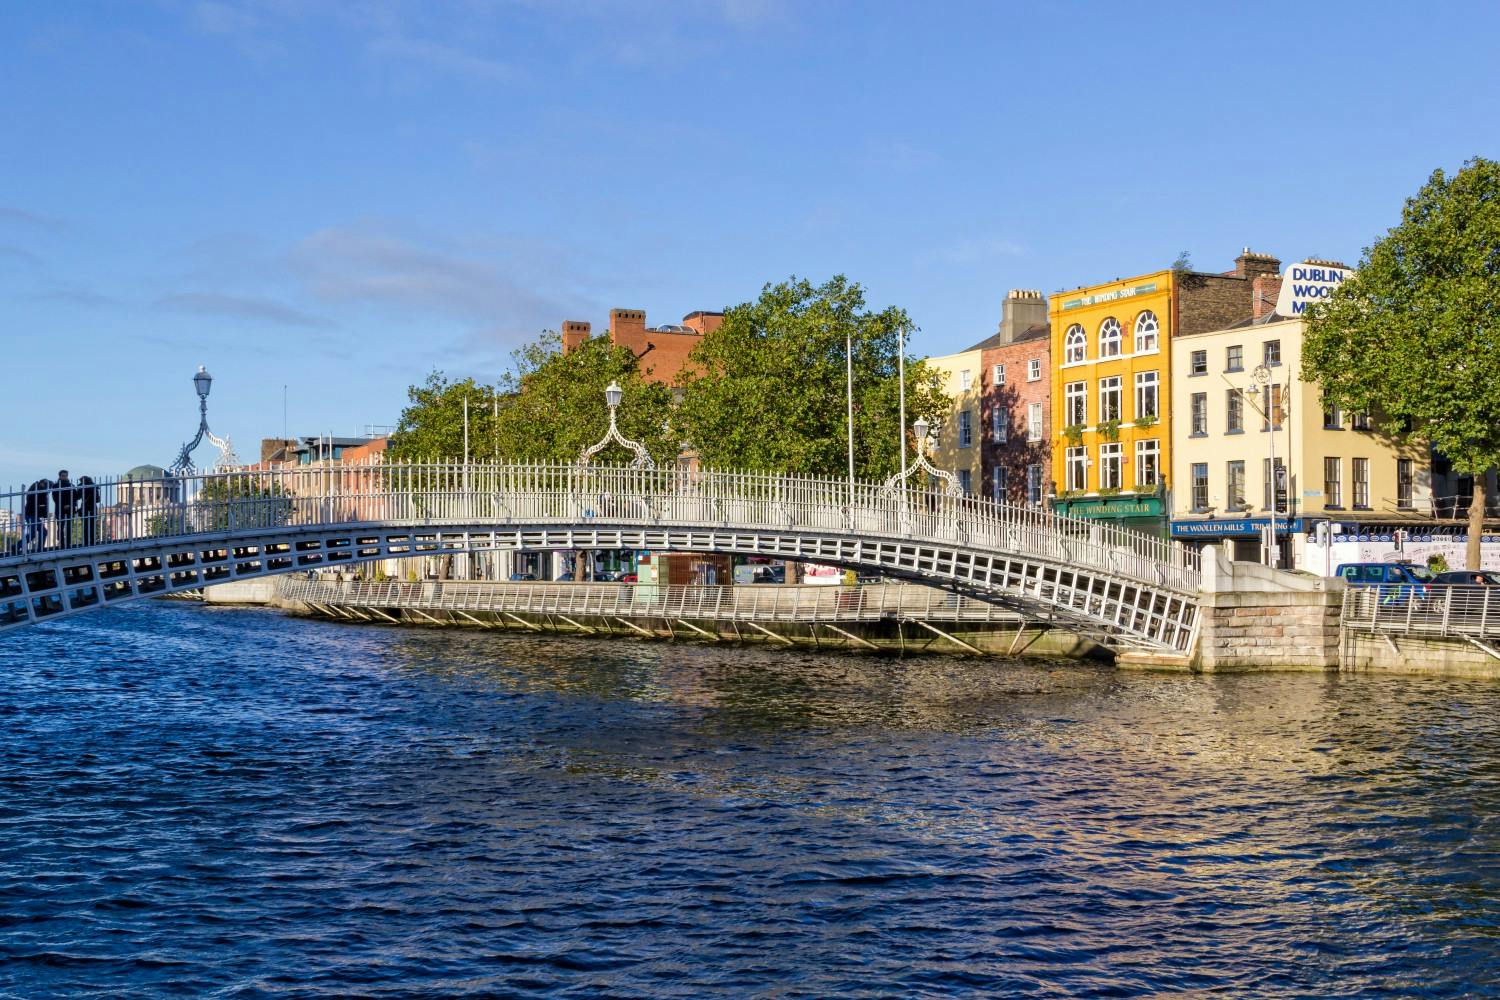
x: 115, y: 510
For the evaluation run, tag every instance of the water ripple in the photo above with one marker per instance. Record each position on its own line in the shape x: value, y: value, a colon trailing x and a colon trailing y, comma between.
x: 200, y: 802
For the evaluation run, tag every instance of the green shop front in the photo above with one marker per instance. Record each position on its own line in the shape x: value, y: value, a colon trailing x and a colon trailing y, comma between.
x: 1140, y: 512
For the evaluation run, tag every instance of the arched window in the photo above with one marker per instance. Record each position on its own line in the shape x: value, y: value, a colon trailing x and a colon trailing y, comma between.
x: 1146, y: 329
x: 1109, y: 338
x: 1075, y: 346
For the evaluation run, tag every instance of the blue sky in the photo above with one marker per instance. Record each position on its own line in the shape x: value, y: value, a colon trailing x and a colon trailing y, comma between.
x: 340, y: 196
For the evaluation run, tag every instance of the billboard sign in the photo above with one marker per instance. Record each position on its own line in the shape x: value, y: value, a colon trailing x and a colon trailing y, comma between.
x: 1306, y: 283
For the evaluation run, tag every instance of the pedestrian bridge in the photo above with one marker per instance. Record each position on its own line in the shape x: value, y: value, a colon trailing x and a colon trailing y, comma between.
x: 144, y: 538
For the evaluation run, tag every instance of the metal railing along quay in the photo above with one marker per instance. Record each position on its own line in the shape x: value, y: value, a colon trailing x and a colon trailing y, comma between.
x: 752, y: 603
x: 1471, y: 613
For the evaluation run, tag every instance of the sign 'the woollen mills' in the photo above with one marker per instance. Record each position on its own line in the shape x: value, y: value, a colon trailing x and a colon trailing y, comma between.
x: 1307, y: 283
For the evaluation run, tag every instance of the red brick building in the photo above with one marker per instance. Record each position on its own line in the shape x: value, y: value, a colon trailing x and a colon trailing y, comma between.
x: 663, y: 351
x: 1015, y: 403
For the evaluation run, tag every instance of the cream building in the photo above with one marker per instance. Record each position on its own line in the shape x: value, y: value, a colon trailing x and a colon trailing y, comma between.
x: 956, y: 440
x: 1229, y: 388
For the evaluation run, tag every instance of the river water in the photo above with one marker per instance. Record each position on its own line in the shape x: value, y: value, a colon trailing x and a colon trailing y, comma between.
x: 204, y: 802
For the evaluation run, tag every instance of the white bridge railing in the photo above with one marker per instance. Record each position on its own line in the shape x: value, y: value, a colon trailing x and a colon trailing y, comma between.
x: 1441, y: 611
x: 754, y: 602
x: 122, y: 511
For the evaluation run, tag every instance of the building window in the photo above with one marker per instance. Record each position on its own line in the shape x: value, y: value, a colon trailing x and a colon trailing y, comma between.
x: 1146, y: 330
x: 1076, y: 466
x: 1109, y: 338
x: 1200, y: 486
x: 1109, y: 398
x: 1273, y: 415
x: 1361, y: 421
x: 1034, y: 370
x: 1234, y: 358
x: 1235, y: 473
x: 1075, y: 404
x: 999, y: 375
x: 1404, y: 477
x: 1110, y: 466
x: 966, y: 481
x: 1034, y: 421
x: 965, y: 380
x: 1272, y: 353
x: 1147, y: 462
x: 965, y: 428
x: 1198, y: 363
x: 1234, y: 412
x: 1200, y: 414
x: 1275, y: 480
x: 1146, y: 384
x: 1333, y: 418
x: 1000, y: 424
x: 997, y: 482
x: 1333, y: 482
x: 1075, y: 347
x: 1034, y: 483
x: 1362, y: 483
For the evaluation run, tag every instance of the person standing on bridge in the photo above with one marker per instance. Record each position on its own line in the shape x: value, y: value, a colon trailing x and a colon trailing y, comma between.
x: 87, y: 505
x: 35, y: 514
x: 64, y: 500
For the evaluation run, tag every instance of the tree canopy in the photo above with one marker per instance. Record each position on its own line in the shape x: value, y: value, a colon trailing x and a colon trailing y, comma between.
x: 767, y: 392
x: 549, y: 407
x: 1414, y: 334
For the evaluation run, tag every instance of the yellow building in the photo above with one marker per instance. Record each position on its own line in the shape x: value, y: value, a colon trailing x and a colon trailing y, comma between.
x: 955, y: 441
x: 1112, y: 377
x: 1317, y: 464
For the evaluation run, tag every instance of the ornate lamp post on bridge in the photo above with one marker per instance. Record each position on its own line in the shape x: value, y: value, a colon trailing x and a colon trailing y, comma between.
x: 183, y: 464
x: 897, y: 482
x: 642, y: 460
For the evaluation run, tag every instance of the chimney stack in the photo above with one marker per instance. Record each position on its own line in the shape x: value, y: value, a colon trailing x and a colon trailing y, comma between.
x: 1250, y: 264
x: 574, y: 333
x: 1023, y: 308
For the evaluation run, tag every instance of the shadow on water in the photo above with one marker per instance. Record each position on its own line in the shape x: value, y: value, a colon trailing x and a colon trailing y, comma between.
x: 199, y: 801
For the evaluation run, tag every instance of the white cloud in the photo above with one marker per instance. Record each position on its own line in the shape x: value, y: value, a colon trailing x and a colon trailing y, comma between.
x: 976, y: 251
x: 446, y: 58
x: 241, y: 307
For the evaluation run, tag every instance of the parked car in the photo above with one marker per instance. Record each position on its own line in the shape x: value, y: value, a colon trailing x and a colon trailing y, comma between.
x: 1397, y: 582
x: 770, y: 574
x: 1468, y: 577
x: 522, y: 577
x: 565, y: 577
x: 628, y: 578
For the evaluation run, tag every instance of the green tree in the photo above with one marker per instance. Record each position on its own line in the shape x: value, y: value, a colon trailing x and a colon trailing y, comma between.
x: 549, y: 407
x: 767, y: 392
x: 1415, y: 333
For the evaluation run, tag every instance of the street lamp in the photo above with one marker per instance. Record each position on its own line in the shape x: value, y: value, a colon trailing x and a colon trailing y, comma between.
x: 613, y: 395
x: 1262, y: 376
x: 920, y: 427
x: 202, y: 383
